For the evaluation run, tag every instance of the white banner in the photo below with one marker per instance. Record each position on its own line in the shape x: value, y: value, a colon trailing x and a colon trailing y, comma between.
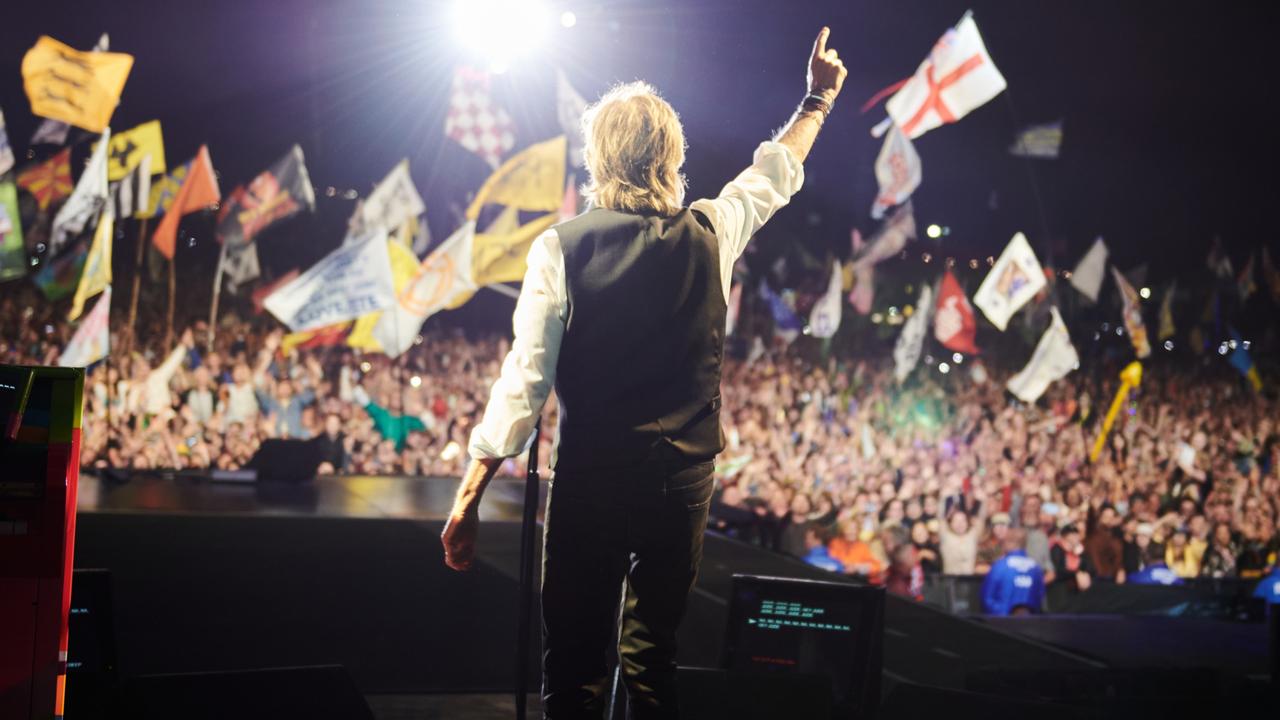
x: 906, y: 353
x: 86, y: 199
x: 1012, y: 282
x: 444, y: 274
x: 825, y: 317
x: 391, y: 203
x: 1089, y: 272
x: 898, y: 172
x: 92, y: 340
x: 349, y: 282
x: 1054, y: 357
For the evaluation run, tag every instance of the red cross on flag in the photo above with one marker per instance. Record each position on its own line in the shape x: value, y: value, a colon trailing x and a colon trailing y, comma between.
x: 474, y: 121
x: 957, y: 77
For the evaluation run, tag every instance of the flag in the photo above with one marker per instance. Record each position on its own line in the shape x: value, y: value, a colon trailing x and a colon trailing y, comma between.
x: 1243, y: 362
x: 956, y: 78
x: 79, y: 88
x: 1246, y: 284
x: 327, y: 336
x: 163, y: 192
x: 474, y: 121
x: 824, y: 318
x: 50, y: 132
x: 1014, y: 279
x: 863, y: 288
x: 130, y: 195
x: 199, y: 190
x: 1219, y: 262
x: 6, y: 150
x: 345, y: 284
x: 92, y: 340
x: 569, y: 109
x: 279, y: 192
x: 50, y: 181
x: 13, y: 254
x: 1270, y: 274
x: 954, y: 324
x: 786, y: 324
x: 499, y: 258
x: 1167, y: 330
x: 438, y: 280
x: 731, y: 312
x: 59, y: 278
x: 393, y: 202
x: 86, y: 200
x: 404, y: 265
x: 1132, y: 313
x: 1038, y: 141
x: 96, y: 275
x: 906, y: 351
x: 1053, y: 358
x: 127, y: 149
x: 890, y: 238
x: 898, y: 172
x: 1089, y: 272
x: 533, y: 180
x: 240, y: 265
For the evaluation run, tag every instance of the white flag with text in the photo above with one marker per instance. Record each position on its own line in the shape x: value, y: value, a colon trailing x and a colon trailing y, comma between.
x: 1014, y: 279
x: 442, y: 276
x: 353, y: 280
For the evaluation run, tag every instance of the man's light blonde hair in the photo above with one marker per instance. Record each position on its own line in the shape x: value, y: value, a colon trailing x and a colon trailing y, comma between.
x: 634, y: 148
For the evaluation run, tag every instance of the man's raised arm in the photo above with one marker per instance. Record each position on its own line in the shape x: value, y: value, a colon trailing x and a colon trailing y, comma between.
x: 826, y: 77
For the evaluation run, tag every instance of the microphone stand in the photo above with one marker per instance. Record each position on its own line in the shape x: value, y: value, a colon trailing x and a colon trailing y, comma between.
x: 527, y: 526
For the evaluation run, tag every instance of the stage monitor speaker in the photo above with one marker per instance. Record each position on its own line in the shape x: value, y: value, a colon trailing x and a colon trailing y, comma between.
x: 791, y: 626
x: 713, y: 694
x: 286, y: 460
x: 321, y: 692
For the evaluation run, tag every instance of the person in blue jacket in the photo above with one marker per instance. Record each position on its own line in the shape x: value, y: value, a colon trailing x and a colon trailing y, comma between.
x: 1015, y: 584
x: 815, y: 542
x: 1154, y: 570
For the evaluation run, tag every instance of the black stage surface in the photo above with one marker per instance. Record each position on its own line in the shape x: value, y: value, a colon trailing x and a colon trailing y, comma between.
x: 349, y: 571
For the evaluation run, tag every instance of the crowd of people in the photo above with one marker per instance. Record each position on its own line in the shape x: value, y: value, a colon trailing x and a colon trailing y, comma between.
x: 827, y: 458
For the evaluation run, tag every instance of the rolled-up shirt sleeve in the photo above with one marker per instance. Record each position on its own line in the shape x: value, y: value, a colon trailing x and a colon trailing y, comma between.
x: 529, y: 370
x: 749, y: 200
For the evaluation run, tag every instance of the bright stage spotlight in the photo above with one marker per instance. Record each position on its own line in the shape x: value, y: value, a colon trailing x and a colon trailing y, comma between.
x: 500, y: 30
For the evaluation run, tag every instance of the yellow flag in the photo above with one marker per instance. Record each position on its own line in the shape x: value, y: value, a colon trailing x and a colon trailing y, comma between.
x: 97, y: 266
x: 502, y: 257
x: 532, y: 180
x: 404, y: 265
x: 79, y: 88
x: 163, y: 191
x: 127, y: 149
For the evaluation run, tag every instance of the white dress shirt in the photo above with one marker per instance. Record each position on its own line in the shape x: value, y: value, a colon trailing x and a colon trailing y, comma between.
x: 529, y: 370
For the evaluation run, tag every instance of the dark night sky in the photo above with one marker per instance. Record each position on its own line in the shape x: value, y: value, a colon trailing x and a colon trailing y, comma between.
x: 1168, y: 107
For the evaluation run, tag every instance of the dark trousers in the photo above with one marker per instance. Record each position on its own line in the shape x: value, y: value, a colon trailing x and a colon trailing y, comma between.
x: 641, y: 523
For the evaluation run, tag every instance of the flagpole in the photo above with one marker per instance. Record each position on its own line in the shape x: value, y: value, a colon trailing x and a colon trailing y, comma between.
x: 137, y: 283
x: 217, y: 294
x: 173, y: 292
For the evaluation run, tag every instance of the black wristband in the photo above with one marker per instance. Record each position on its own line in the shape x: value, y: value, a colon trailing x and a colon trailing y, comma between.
x: 813, y: 101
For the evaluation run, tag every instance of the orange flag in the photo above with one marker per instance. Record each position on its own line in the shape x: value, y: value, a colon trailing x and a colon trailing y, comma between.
x: 199, y: 190
x: 49, y: 181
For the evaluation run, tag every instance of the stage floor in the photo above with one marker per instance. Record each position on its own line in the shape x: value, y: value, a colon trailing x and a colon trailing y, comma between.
x: 212, y: 576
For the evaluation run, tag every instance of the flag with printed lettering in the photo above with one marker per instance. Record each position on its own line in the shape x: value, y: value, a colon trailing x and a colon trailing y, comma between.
x: 130, y: 194
x: 532, y: 180
x: 1038, y: 141
x: 79, y: 88
x: 92, y: 340
x: 404, y: 265
x: 1015, y: 278
x: 1132, y: 314
x: 956, y: 78
x: 13, y: 254
x: 199, y: 190
x: 898, y: 172
x: 49, y: 181
x: 440, y: 278
x: 910, y: 344
x: 824, y: 318
x: 279, y: 192
x: 954, y: 324
x: 163, y: 191
x: 1091, y: 270
x: 96, y: 275
x: 127, y: 149
x: 393, y: 202
x: 474, y: 120
x: 569, y: 109
x: 6, y: 150
x: 85, y: 202
x: 1053, y: 358
x: 347, y: 283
